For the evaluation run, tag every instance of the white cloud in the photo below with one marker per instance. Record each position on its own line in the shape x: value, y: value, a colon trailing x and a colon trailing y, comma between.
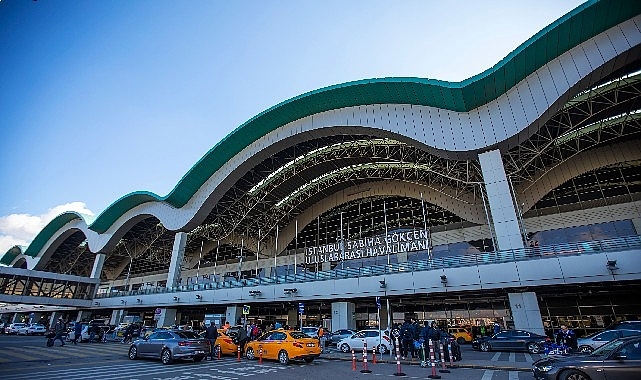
x: 20, y: 229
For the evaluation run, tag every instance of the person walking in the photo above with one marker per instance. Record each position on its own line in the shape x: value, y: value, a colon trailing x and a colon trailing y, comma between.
x: 77, y: 332
x: 211, y: 334
x: 59, y: 329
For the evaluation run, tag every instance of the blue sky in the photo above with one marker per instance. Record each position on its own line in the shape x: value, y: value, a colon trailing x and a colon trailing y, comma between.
x: 102, y: 98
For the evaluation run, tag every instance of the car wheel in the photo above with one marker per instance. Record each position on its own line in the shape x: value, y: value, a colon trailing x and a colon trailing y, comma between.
x: 345, y: 347
x: 309, y: 360
x: 133, y: 352
x: 485, y: 347
x: 573, y: 375
x: 198, y: 358
x: 533, y: 348
x: 381, y: 349
x: 586, y: 349
x: 165, y: 356
x: 249, y: 354
x: 283, y: 357
x: 460, y: 341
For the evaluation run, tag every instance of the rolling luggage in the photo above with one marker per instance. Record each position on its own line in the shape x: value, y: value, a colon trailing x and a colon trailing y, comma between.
x: 50, y: 336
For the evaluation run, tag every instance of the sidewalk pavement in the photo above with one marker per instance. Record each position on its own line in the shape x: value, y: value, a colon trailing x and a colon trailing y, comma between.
x: 333, y: 354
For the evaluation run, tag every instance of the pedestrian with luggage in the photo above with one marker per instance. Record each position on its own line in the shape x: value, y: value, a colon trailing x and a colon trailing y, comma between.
x: 59, y: 329
x: 211, y: 334
x: 77, y: 332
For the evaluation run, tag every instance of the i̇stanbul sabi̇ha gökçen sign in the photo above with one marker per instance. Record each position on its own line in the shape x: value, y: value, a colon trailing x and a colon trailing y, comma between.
x: 396, y: 242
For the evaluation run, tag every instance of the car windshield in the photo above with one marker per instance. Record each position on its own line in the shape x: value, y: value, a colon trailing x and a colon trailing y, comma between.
x: 607, y: 348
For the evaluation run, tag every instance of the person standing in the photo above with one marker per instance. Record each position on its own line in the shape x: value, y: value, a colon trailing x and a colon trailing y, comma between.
x: 566, y: 337
x: 497, y: 328
x: 59, y: 329
x: 407, y: 339
x: 211, y: 334
x: 435, y: 335
x: 77, y: 332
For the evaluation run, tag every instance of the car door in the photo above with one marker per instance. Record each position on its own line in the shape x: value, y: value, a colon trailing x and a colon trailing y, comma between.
x: 155, y: 343
x: 519, y: 340
x: 502, y: 340
x: 372, y: 338
x: 356, y: 341
x: 625, y: 363
x: 274, y: 344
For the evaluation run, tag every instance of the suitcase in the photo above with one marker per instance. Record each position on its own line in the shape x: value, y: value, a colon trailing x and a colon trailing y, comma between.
x: 50, y: 337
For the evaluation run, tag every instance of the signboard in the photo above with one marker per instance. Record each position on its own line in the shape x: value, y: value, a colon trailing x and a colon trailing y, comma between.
x: 301, y: 308
x: 393, y: 243
x: 245, y: 309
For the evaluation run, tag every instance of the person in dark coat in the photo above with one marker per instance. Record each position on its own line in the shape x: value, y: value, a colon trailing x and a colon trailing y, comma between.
x: 566, y: 337
x: 434, y: 334
x: 211, y: 334
x: 407, y: 339
x: 59, y: 329
x: 77, y: 332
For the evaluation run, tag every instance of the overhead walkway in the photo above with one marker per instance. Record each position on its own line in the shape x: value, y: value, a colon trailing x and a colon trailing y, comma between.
x: 25, y: 286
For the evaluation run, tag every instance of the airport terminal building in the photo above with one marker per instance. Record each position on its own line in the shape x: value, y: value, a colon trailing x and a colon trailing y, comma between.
x: 512, y: 196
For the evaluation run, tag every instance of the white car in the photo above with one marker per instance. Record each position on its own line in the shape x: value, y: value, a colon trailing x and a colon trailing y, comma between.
x: 33, y: 329
x: 592, y: 342
x: 14, y: 327
x: 374, y: 338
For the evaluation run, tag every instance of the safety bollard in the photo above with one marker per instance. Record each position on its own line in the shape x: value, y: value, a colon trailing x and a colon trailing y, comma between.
x: 353, y: 360
x: 432, y: 360
x: 398, y: 361
x: 442, y: 370
x: 449, y: 348
x: 374, y: 355
x: 260, y: 355
x: 238, y: 359
x: 365, y: 369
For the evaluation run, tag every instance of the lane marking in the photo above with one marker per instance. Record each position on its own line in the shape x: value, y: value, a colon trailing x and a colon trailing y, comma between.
x: 496, y: 357
x: 487, y: 374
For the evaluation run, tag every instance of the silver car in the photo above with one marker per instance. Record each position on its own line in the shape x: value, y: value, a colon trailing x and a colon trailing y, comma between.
x: 592, y: 342
x: 170, y: 345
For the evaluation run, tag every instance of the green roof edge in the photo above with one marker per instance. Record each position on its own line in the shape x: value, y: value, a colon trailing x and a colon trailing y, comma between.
x: 461, y: 96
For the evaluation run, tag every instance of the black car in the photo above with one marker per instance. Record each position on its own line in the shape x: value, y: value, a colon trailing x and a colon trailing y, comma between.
x: 619, y: 359
x: 511, y: 340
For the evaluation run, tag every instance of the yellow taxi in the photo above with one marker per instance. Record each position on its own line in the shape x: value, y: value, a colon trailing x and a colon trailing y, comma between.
x: 461, y: 334
x: 284, y: 346
x: 225, y: 344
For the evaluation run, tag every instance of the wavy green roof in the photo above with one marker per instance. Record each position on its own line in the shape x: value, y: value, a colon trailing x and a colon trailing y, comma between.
x: 574, y: 28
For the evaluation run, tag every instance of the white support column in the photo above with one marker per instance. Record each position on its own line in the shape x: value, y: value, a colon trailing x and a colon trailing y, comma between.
x: 83, y: 315
x: 499, y: 197
x: 166, y: 317
x: 116, y: 316
x: 343, y: 315
x: 232, y: 314
x: 526, y: 313
x: 177, y: 255
x: 98, y: 262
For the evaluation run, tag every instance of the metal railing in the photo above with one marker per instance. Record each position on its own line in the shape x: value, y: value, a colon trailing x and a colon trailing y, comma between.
x: 482, y: 258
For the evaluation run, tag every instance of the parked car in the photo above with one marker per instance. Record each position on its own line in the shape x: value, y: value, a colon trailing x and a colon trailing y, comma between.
x: 617, y: 359
x: 375, y: 339
x: 461, y: 334
x: 85, y: 334
x: 592, y: 342
x: 170, y: 345
x: 284, y: 346
x: 339, y: 335
x: 32, y: 329
x: 511, y: 340
x: 14, y: 327
x: 625, y: 325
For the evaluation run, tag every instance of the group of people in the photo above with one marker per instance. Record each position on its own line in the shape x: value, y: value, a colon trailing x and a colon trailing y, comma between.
x: 412, y: 336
